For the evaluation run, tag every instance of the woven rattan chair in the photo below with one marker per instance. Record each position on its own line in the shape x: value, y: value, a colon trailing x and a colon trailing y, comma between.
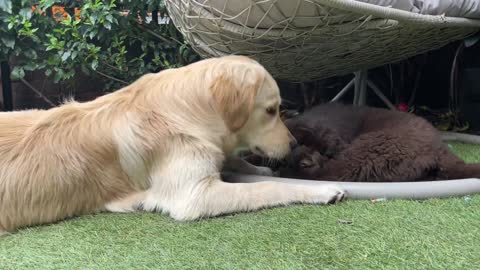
x: 303, y: 40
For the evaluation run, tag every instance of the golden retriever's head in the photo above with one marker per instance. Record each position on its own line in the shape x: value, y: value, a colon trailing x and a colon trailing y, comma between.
x: 249, y: 99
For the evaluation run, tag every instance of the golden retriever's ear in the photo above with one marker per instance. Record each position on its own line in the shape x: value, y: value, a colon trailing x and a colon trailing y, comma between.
x: 234, y: 91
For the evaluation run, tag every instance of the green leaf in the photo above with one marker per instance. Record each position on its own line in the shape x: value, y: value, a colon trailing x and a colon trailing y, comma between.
x: 48, y: 72
x: 17, y: 73
x: 94, y: 64
x: 26, y: 12
x: 9, y: 41
x: 109, y: 18
x: 44, y: 4
x: 32, y: 54
x: 93, y: 18
x: 6, y: 5
x: 93, y: 33
x: 58, y: 76
x: 66, y: 55
x: 31, y: 66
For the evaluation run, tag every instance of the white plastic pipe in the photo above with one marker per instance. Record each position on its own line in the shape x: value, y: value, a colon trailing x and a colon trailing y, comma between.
x: 387, y: 190
x: 460, y: 137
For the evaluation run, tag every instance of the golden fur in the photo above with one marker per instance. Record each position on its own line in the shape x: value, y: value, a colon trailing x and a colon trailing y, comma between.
x: 157, y: 144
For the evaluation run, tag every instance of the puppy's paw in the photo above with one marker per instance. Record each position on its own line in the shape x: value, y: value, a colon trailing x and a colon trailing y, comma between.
x: 264, y: 171
x: 330, y: 194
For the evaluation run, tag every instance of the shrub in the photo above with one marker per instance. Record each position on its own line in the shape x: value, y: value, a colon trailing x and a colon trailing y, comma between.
x: 116, y: 40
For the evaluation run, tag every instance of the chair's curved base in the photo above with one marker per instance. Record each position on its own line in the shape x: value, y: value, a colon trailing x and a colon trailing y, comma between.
x: 387, y: 190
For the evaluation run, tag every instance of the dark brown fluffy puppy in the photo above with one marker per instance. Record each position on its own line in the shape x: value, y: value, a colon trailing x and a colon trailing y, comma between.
x: 347, y: 143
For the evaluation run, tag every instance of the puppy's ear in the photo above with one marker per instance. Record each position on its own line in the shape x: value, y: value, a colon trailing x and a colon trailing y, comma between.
x: 234, y: 90
x: 301, y: 133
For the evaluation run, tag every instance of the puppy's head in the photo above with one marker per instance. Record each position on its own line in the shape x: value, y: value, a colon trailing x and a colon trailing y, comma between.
x: 302, y: 132
x: 248, y: 99
x: 303, y: 162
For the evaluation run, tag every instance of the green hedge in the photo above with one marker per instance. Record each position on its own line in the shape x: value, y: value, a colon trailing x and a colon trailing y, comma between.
x: 111, y: 39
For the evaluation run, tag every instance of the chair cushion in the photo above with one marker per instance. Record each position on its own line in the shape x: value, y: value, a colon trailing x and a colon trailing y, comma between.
x: 452, y: 8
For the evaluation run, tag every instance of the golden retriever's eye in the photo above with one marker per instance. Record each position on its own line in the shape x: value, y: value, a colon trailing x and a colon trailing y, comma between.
x: 272, y: 110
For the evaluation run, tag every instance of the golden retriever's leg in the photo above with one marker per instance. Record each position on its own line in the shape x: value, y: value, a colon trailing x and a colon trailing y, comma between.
x: 213, y: 197
x: 187, y: 185
x: 128, y: 204
x: 238, y: 165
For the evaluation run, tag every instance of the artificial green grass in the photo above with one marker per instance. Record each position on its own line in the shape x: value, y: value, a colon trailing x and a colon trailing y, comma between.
x: 432, y: 234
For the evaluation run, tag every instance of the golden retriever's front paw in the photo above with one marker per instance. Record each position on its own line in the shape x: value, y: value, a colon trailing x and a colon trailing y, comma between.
x: 328, y: 194
x: 264, y: 171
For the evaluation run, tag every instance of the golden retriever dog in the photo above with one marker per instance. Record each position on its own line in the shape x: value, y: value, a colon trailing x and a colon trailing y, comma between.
x: 158, y: 144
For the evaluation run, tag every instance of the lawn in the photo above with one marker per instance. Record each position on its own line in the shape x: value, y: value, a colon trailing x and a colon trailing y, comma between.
x: 432, y: 234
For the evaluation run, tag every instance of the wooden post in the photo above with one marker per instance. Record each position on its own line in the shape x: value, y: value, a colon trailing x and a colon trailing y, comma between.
x: 6, y: 87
